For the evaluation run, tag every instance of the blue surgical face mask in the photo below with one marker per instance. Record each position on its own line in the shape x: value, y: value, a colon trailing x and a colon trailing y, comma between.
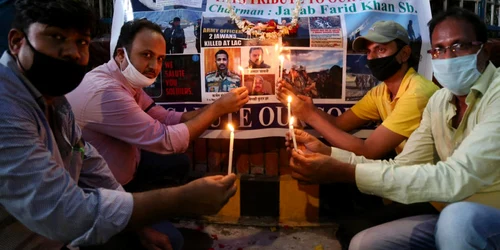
x: 457, y: 74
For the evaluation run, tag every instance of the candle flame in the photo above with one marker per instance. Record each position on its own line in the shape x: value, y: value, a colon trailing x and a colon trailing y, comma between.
x: 241, y: 68
x: 230, y: 127
x: 282, y: 58
x: 292, y: 119
x: 276, y: 47
x: 289, y: 99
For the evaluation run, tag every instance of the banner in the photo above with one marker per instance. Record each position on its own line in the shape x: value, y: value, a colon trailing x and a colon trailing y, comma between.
x: 203, y: 41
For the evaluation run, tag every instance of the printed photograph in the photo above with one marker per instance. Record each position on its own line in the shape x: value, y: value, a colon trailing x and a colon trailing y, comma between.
x: 181, y: 29
x: 315, y: 73
x: 222, y: 69
x: 358, y: 77
x: 261, y: 84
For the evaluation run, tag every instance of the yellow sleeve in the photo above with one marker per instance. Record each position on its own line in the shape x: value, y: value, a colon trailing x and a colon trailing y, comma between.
x: 407, y: 114
x: 366, y: 108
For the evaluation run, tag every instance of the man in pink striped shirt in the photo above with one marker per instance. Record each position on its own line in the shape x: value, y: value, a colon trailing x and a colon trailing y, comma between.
x: 120, y: 119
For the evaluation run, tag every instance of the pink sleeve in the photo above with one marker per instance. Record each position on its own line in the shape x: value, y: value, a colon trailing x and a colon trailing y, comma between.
x: 157, y: 112
x: 167, y: 117
x: 115, y: 112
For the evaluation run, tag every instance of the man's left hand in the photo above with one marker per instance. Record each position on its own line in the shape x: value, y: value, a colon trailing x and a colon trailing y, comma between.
x: 154, y: 240
x: 319, y: 168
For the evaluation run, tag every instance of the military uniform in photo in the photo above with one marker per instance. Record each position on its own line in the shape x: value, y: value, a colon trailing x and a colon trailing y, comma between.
x: 217, y: 81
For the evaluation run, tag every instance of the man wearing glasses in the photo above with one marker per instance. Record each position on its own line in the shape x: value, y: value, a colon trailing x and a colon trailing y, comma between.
x: 452, y: 156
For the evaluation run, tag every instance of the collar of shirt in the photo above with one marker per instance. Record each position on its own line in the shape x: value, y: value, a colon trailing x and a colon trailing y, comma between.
x: 479, y: 88
x: 117, y: 74
x: 8, y: 61
x: 222, y: 74
x: 402, y: 88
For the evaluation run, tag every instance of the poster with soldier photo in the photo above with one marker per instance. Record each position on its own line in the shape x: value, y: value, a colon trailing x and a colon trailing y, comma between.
x: 259, y: 59
x: 180, y: 29
x: 315, y: 73
x: 221, y: 67
x: 208, y: 54
x: 260, y: 84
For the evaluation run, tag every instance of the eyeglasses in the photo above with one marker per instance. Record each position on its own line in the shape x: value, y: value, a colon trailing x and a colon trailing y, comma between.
x: 459, y: 49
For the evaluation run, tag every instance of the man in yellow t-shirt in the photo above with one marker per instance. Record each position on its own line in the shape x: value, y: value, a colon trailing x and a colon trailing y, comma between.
x: 398, y: 102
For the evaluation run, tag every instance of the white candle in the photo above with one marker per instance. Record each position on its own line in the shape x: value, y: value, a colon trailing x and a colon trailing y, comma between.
x: 282, y: 58
x: 289, y: 106
x: 231, y: 145
x: 242, y: 76
x: 292, y: 133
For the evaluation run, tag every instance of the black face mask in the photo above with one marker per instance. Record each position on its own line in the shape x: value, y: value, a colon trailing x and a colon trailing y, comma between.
x: 52, y: 76
x: 385, y: 67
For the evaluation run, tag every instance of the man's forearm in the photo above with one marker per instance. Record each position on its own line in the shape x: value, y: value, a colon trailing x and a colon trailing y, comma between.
x: 186, y: 116
x: 156, y: 205
x: 317, y: 116
x: 335, y: 136
x: 198, y: 124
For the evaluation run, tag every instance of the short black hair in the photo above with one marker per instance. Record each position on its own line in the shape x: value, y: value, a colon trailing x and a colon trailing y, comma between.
x: 65, y: 14
x: 130, y: 29
x: 255, y: 48
x: 461, y: 14
x: 223, y: 52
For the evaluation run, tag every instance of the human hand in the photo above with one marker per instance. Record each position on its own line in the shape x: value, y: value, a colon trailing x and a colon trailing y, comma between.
x: 232, y: 101
x: 319, y: 168
x: 301, y: 105
x: 208, y: 195
x: 154, y: 240
x: 283, y: 90
x: 306, y: 143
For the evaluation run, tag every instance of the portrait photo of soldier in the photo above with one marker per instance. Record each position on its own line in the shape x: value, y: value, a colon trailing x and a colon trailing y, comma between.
x: 256, y: 59
x: 222, y: 79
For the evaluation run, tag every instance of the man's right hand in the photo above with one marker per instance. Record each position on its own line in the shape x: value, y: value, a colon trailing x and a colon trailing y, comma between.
x: 307, y: 143
x: 232, y: 101
x: 207, y: 195
x: 301, y: 105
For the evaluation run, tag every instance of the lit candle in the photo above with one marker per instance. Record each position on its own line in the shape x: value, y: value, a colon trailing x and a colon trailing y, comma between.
x: 231, y: 145
x: 282, y: 58
x: 242, y: 75
x: 292, y: 133
x: 289, y: 105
